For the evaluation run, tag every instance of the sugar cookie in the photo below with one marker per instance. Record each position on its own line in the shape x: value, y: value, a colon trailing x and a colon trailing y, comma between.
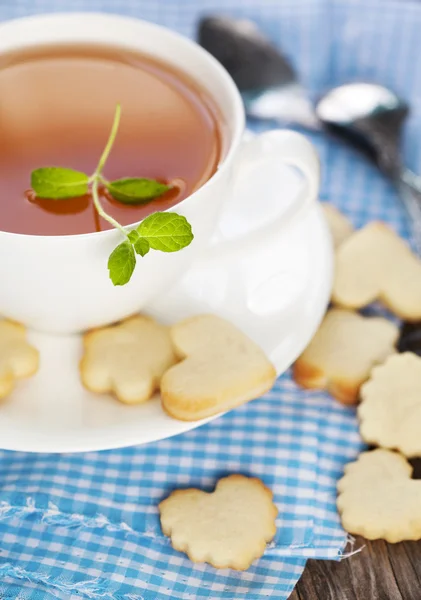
x: 18, y: 359
x: 340, y: 356
x: 127, y: 359
x: 221, y: 368
x: 378, y: 499
x: 376, y: 264
x: 390, y: 411
x: 340, y: 227
x: 228, y: 528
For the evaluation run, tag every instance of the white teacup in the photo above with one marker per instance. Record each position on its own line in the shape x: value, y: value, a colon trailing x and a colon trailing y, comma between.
x: 60, y: 284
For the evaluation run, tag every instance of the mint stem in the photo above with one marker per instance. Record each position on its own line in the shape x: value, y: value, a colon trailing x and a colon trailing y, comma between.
x: 101, y: 211
x: 110, y: 142
x: 97, y: 177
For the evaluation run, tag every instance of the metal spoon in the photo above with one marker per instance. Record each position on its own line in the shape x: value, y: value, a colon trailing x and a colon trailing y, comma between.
x: 367, y: 116
x: 370, y: 117
x: 265, y: 78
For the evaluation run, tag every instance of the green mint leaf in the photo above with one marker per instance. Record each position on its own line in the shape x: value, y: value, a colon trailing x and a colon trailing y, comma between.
x: 121, y: 263
x: 58, y: 183
x: 167, y: 232
x: 133, y: 190
x: 140, y: 245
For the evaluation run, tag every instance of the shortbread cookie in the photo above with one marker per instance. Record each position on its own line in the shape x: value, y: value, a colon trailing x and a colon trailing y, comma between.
x: 221, y: 368
x: 378, y: 499
x: 340, y: 227
x: 18, y: 359
x: 340, y: 356
x: 127, y: 359
x: 228, y: 528
x: 376, y: 264
x: 390, y: 411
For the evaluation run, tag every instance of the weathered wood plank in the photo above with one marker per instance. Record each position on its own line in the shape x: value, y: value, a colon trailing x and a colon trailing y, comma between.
x: 380, y: 571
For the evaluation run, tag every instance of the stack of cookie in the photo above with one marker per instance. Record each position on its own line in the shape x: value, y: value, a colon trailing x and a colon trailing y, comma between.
x: 355, y: 358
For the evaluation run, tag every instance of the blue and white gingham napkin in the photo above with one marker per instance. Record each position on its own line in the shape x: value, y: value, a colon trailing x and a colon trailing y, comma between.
x: 86, y: 526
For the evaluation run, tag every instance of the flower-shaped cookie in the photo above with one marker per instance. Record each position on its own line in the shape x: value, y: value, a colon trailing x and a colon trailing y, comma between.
x: 18, y: 359
x: 340, y: 356
x: 378, y: 499
x: 376, y: 264
x: 128, y: 359
x: 390, y: 411
x: 228, y: 528
x: 221, y: 368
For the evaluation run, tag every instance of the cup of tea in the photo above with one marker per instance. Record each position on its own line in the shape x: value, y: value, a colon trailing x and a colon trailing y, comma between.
x: 182, y: 121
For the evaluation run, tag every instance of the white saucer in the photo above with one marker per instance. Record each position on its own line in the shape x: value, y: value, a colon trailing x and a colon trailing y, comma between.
x: 277, y: 293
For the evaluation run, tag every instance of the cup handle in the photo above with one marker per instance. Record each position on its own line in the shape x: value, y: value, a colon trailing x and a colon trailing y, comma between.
x: 259, y: 162
x: 227, y: 281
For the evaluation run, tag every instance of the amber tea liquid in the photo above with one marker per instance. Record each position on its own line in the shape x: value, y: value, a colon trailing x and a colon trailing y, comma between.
x: 56, y: 108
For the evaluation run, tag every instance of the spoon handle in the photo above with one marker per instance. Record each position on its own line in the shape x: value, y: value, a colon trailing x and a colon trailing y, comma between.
x: 409, y: 187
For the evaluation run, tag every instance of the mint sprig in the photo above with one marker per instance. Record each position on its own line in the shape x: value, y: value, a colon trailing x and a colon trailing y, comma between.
x: 165, y: 232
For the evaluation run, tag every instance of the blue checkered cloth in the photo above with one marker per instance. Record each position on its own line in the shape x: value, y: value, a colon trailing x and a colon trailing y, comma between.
x: 86, y: 526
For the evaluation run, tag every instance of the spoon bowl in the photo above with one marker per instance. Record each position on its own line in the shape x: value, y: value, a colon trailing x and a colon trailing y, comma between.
x: 265, y: 76
x: 369, y: 116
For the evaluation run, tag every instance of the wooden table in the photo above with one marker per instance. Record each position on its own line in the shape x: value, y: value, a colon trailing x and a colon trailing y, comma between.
x: 379, y: 572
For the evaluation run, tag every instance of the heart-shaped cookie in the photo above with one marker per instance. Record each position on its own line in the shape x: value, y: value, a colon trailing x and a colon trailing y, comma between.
x: 340, y: 356
x: 390, y: 411
x: 221, y: 368
x: 340, y: 227
x: 378, y: 499
x: 127, y: 359
x: 228, y: 528
x: 376, y: 264
x: 18, y: 359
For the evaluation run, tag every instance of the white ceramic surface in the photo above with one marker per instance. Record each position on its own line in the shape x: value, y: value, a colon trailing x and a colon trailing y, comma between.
x: 276, y: 291
x: 60, y: 284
